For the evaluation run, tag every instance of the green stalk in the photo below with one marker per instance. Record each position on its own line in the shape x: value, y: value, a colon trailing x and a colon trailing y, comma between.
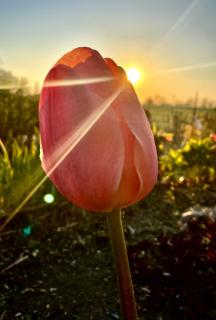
x: 128, y: 304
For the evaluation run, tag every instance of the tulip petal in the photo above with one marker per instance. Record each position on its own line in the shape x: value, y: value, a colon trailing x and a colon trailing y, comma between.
x: 129, y: 185
x: 147, y: 170
x: 80, y: 56
x: 145, y: 150
x: 87, y: 63
x: 145, y: 155
x: 95, y: 165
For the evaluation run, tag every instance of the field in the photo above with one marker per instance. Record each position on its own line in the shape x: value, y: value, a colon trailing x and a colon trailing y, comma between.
x: 56, y: 259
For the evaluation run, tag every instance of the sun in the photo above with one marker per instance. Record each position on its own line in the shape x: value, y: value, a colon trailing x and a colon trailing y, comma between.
x: 133, y: 75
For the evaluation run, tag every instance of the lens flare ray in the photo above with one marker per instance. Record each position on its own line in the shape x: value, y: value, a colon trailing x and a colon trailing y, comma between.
x: 203, y: 65
x: 76, y: 82
x: 173, y: 27
x: 64, y: 149
x: 63, y: 83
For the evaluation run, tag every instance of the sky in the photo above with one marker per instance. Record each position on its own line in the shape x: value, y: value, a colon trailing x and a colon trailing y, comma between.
x: 171, y: 42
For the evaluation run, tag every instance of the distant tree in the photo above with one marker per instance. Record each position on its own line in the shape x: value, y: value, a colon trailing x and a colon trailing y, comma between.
x: 7, y: 78
x: 9, y: 81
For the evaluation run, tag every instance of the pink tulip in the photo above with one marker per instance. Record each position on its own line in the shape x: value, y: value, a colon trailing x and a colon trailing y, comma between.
x: 115, y: 163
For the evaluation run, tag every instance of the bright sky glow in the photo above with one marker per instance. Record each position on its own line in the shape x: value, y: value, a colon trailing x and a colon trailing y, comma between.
x: 153, y: 35
x: 133, y: 75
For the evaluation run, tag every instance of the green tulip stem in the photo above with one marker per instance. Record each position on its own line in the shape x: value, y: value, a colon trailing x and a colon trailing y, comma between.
x: 128, y: 303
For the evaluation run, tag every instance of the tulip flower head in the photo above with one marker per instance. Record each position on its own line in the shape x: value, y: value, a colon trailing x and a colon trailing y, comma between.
x: 115, y: 163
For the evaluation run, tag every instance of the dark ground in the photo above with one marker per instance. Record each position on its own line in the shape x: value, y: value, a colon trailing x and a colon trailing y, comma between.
x: 64, y: 268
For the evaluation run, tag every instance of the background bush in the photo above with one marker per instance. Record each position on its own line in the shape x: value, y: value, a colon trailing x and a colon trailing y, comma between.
x: 18, y: 115
x: 186, y: 167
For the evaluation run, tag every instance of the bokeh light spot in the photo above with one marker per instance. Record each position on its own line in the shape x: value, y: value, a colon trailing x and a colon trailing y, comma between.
x: 48, y: 198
